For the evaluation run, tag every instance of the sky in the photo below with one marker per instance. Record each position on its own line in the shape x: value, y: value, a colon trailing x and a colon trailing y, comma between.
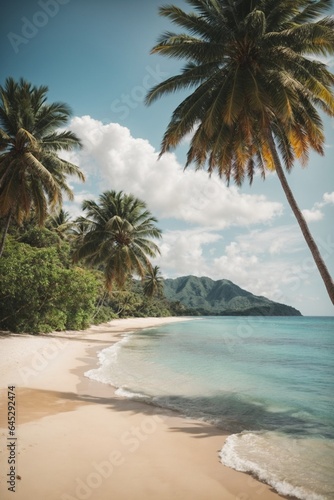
x: 95, y: 56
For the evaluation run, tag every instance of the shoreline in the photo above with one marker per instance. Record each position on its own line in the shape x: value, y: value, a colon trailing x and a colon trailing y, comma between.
x: 77, y: 439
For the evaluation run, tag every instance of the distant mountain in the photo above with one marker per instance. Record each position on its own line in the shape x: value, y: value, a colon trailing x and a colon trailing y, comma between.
x: 222, y: 298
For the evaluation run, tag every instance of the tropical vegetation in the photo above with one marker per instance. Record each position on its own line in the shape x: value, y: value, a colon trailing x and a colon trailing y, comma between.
x: 118, y: 237
x: 258, y: 87
x: 255, y: 107
x: 153, y: 282
x: 61, y: 223
x: 204, y: 296
x: 33, y: 177
x: 42, y: 290
x: 57, y: 273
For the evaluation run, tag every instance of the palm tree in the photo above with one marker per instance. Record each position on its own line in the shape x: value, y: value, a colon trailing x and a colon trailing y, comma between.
x: 32, y: 175
x: 118, y: 237
x: 153, y: 282
x: 256, y: 89
x: 61, y: 224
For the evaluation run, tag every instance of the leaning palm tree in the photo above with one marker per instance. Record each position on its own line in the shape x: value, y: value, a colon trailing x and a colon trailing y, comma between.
x: 153, y: 282
x: 118, y: 237
x: 32, y: 175
x: 258, y: 89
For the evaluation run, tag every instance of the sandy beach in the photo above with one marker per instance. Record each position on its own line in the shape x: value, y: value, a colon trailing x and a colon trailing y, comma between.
x: 73, y: 439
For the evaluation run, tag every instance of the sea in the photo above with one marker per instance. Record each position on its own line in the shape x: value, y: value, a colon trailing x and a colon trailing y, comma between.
x: 267, y: 381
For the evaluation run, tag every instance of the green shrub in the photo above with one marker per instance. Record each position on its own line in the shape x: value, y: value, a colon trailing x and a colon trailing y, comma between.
x: 39, y: 237
x: 39, y: 294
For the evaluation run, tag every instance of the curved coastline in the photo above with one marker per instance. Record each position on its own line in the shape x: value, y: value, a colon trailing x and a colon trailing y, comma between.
x: 78, y: 439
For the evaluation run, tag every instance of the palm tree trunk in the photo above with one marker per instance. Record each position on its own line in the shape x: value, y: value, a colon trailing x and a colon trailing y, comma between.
x: 327, y: 279
x: 4, y: 232
x: 100, y: 304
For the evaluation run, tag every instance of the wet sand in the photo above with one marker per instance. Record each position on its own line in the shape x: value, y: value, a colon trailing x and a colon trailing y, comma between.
x: 77, y: 440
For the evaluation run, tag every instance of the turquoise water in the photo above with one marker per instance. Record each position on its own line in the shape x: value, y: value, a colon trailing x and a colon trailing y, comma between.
x: 268, y: 381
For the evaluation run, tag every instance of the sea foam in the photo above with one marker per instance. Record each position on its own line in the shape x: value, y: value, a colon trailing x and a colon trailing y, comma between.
x: 273, y: 393
x: 258, y: 454
x: 107, y: 358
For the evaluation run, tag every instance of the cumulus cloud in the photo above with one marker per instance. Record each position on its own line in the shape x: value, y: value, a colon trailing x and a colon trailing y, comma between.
x: 121, y: 162
x: 328, y: 198
x: 273, y: 241
x: 327, y: 60
x: 312, y: 215
x: 257, y: 260
x: 262, y: 262
x: 183, y: 252
x: 315, y: 214
x: 261, y: 259
x: 73, y: 207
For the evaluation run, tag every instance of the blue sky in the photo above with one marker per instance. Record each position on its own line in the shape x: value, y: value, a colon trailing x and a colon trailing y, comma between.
x: 94, y: 55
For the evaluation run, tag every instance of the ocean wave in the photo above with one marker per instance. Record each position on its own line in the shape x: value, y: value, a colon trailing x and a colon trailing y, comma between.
x: 252, y: 452
x: 106, y: 359
x: 279, y: 434
x: 126, y: 393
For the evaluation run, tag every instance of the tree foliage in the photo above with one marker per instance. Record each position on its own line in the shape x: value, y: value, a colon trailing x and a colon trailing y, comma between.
x: 257, y: 89
x: 153, y: 283
x: 61, y: 224
x: 132, y: 301
x: 40, y: 294
x: 32, y: 175
x: 41, y: 288
x: 118, y: 236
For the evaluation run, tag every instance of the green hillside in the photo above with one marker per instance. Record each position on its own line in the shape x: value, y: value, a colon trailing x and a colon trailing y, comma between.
x: 222, y: 297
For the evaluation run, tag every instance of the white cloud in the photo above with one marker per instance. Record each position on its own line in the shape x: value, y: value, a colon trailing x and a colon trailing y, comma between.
x: 183, y: 252
x: 262, y: 262
x: 327, y: 60
x: 263, y: 259
x: 328, y: 198
x: 312, y: 215
x: 315, y: 214
x: 186, y: 140
x: 74, y: 206
x: 122, y: 162
x: 273, y: 241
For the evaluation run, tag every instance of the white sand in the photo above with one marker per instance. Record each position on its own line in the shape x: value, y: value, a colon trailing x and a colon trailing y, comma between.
x: 77, y: 440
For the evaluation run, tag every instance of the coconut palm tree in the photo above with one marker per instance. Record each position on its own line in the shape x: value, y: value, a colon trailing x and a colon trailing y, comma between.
x: 61, y: 224
x: 118, y: 237
x: 153, y: 282
x: 258, y: 88
x: 32, y: 175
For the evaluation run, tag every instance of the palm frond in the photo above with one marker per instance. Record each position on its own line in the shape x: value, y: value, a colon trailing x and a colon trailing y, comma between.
x: 251, y: 76
x: 57, y: 141
x: 29, y: 141
x: 118, y: 236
